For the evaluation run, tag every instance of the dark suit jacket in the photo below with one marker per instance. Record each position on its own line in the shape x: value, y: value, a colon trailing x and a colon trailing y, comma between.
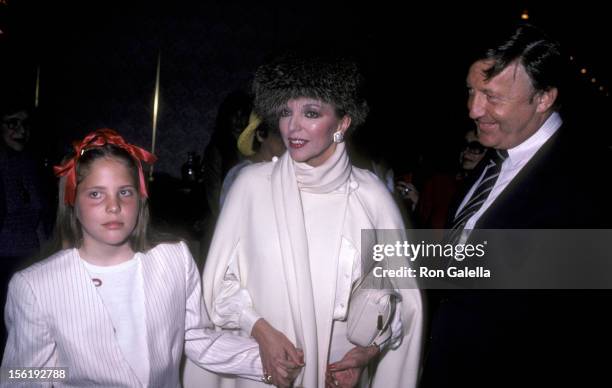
x: 529, y: 337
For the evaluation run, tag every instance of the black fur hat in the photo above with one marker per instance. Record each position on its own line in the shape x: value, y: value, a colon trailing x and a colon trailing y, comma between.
x: 336, y: 81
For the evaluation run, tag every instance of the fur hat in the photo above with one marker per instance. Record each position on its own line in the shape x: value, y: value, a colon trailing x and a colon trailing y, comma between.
x: 335, y: 81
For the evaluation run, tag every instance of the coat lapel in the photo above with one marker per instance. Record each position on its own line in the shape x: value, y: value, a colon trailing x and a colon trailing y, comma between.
x: 98, y: 313
x: 85, y: 290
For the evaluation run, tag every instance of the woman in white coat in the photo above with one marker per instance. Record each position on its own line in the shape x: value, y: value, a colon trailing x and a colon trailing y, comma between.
x: 287, y: 247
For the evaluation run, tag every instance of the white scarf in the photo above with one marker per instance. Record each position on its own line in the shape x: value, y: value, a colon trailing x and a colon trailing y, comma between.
x: 329, y: 176
x: 288, y: 178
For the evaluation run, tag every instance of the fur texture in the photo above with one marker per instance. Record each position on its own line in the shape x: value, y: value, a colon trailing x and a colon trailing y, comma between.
x: 335, y: 81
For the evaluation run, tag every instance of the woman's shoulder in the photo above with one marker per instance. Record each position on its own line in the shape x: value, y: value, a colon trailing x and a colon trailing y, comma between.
x: 256, y: 171
x: 368, y: 181
x: 377, y: 200
x: 251, y: 178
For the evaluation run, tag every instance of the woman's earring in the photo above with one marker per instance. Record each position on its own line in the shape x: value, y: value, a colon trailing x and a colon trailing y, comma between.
x: 338, y: 137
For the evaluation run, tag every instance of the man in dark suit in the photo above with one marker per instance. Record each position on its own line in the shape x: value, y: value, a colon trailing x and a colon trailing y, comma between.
x: 538, y: 177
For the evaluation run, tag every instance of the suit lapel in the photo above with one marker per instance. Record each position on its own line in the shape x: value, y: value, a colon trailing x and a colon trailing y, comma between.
x: 534, y: 180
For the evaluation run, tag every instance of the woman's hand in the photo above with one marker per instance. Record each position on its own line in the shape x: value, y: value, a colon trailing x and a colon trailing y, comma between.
x: 346, y: 372
x: 279, y: 357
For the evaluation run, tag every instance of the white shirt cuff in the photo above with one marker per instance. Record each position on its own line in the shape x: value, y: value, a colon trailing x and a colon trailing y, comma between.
x: 248, y: 319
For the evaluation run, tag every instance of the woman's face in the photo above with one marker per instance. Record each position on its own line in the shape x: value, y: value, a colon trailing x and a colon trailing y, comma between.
x: 307, y: 127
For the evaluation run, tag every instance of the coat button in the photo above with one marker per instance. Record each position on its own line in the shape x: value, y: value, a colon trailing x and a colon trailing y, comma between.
x: 354, y: 185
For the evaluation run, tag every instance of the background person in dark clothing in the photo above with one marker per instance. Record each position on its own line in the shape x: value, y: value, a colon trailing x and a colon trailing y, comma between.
x: 25, y: 208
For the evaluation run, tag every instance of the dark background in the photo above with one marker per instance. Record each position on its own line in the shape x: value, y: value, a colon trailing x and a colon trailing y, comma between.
x: 98, y: 60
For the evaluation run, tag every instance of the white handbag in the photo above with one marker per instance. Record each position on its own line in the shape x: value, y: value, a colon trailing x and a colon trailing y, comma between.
x: 369, y: 315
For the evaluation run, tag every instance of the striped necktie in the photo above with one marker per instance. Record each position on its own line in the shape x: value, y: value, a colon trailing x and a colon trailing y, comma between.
x: 479, y: 196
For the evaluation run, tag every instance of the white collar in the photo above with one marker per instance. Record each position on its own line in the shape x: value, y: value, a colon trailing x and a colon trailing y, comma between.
x: 529, y: 147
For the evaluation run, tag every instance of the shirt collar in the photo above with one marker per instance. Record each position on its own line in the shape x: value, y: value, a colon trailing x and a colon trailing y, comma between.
x: 529, y: 147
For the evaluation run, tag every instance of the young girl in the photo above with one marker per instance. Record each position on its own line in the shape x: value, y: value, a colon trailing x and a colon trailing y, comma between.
x: 112, y: 308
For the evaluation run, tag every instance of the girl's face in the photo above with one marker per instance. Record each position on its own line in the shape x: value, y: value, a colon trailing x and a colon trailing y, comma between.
x: 106, y: 205
x: 307, y: 126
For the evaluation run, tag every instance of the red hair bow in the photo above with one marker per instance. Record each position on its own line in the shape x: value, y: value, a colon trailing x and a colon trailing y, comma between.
x: 100, y: 138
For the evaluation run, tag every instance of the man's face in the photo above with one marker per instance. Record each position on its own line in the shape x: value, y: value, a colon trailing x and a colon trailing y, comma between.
x: 506, y: 108
x: 15, y: 130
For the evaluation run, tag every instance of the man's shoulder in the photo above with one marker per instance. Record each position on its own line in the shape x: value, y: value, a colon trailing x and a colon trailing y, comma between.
x: 576, y: 152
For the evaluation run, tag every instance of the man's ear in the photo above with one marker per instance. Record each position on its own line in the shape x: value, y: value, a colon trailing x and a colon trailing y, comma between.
x: 546, y: 99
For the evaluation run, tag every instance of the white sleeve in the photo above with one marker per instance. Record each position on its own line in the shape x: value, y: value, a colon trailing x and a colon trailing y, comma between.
x: 232, y: 307
x: 219, y: 352
x: 29, y: 342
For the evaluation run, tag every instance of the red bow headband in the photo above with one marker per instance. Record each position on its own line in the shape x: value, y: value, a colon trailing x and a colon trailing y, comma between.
x: 100, y: 138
